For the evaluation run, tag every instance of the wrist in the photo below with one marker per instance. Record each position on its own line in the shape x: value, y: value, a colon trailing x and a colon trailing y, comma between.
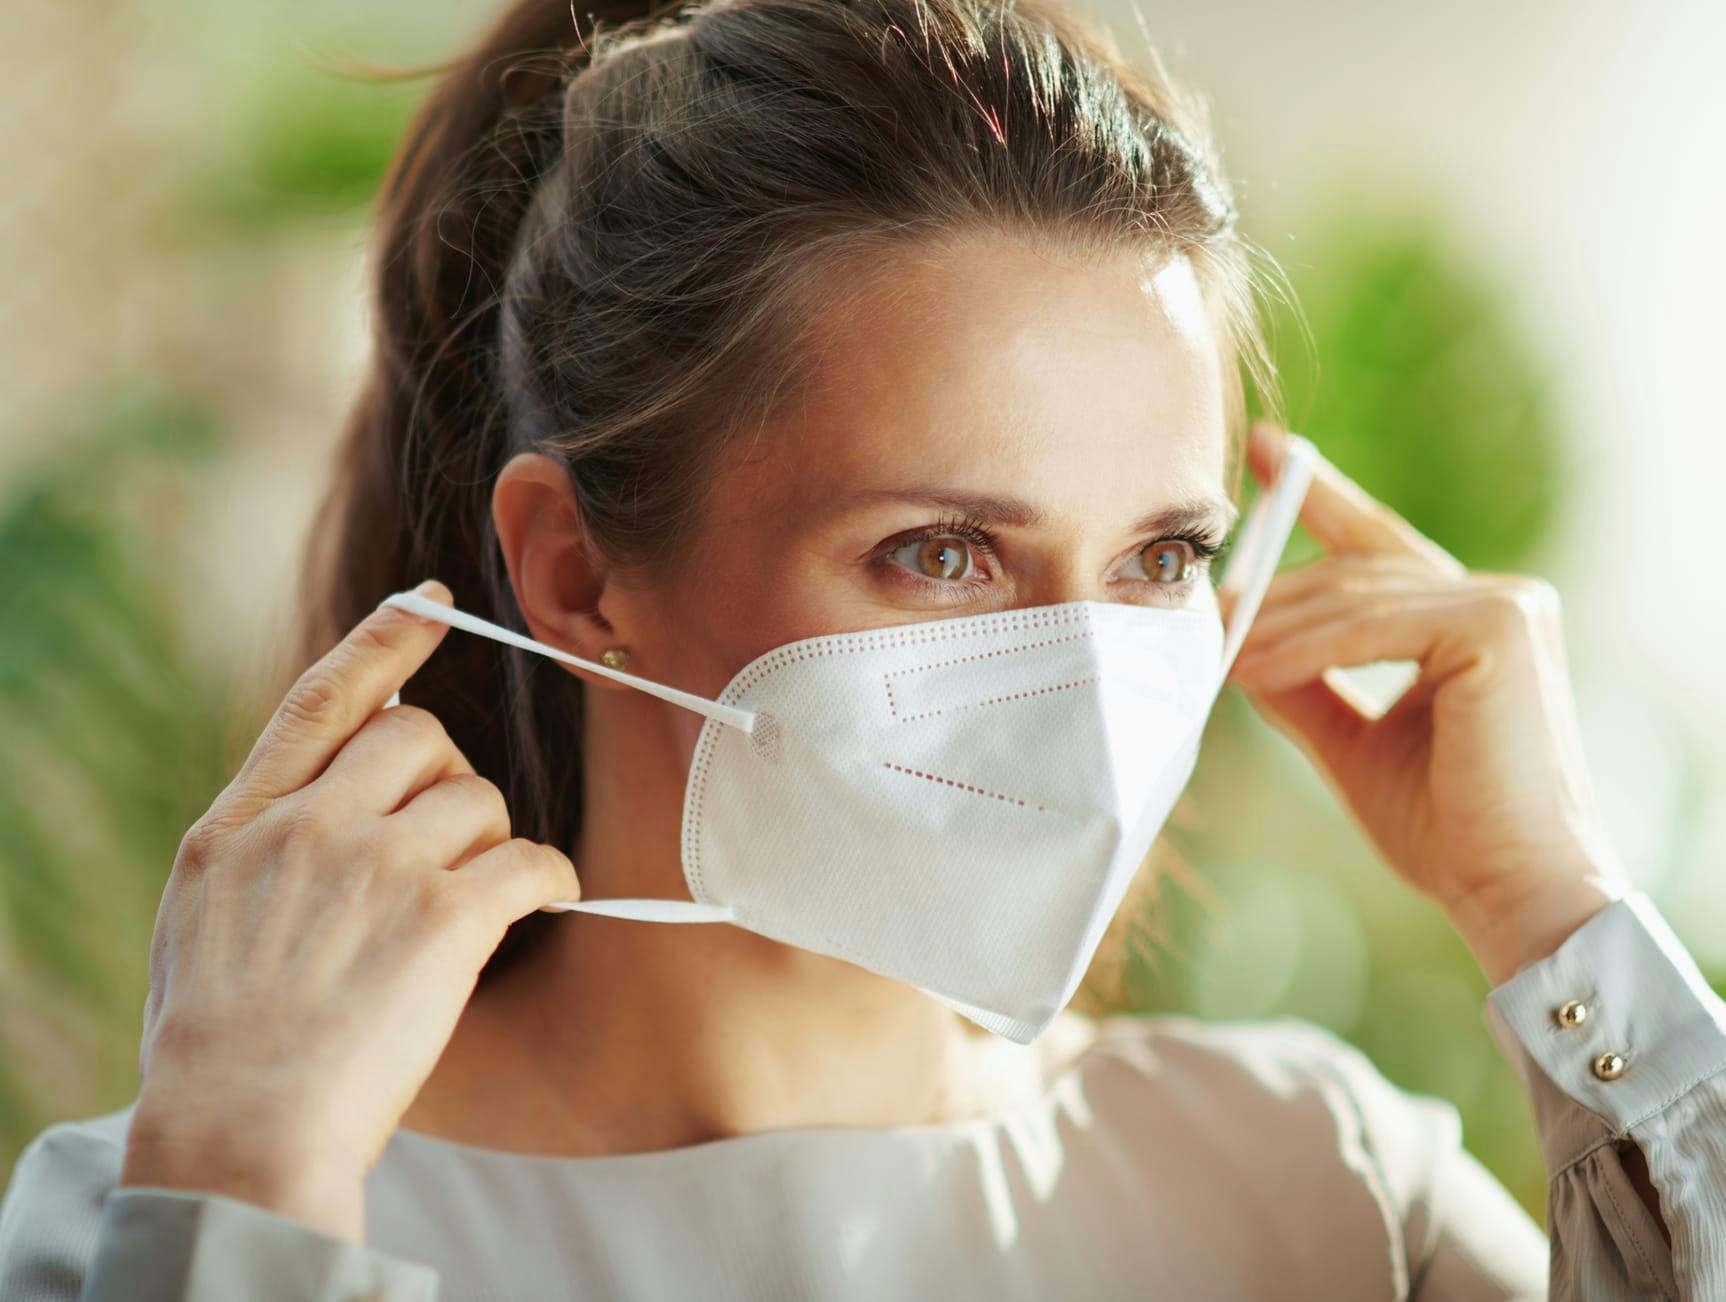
x: 1523, y: 920
x: 254, y: 1162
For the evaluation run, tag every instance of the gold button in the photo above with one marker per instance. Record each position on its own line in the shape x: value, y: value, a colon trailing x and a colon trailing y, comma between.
x: 1609, y: 1065
x: 1571, y: 1013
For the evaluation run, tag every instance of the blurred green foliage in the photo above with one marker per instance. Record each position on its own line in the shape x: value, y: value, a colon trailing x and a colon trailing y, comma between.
x: 1425, y: 389
x: 1407, y: 365
x: 307, y: 143
x: 111, y: 742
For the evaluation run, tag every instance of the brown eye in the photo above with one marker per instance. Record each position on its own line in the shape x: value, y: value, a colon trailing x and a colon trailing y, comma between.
x: 1169, y: 561
x: 941, y: 557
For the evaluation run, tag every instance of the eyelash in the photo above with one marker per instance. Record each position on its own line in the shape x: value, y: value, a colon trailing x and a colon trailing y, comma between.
x: 1206, y: 549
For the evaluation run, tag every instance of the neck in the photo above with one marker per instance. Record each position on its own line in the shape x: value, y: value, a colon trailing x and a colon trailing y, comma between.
x: 623, y: 1036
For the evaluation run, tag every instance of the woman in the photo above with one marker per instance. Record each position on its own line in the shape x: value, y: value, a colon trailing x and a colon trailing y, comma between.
x: 702, y: 336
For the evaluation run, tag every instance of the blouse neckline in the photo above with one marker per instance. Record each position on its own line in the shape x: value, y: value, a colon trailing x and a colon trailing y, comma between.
x: 1057, y: 1090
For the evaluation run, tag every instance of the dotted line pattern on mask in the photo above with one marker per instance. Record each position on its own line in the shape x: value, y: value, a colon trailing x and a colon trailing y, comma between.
x: 888, y: 677
x: 998, y: 651
x: 963, y: 786
x: 991, y: 700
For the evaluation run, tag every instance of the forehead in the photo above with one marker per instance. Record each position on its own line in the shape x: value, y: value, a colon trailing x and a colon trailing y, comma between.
x: 1088, y: 387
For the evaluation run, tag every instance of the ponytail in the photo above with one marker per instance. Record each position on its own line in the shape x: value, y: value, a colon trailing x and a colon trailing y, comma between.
x: 410, y: 497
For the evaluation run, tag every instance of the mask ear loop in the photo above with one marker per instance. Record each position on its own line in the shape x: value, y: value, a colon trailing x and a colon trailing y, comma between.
x: 643, y: 910
x: 743, y: 720
x: 1263, y: 536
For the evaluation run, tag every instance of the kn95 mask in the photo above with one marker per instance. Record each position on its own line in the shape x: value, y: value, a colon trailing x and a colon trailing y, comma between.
x: 959, y: 803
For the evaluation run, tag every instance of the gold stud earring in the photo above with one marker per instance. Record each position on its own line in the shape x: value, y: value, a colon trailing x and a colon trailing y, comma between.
x: 615, y: 657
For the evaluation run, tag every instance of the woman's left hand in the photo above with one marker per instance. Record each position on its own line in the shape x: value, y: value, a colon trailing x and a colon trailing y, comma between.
x: 1473, y: 785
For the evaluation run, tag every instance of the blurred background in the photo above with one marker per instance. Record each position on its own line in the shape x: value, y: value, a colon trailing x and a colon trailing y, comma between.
x: 1500, y: 221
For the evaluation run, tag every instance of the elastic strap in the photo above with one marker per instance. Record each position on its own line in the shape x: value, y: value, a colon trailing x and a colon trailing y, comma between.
x: 646, y: 910
x: 743, y: 720
x: 1262, y: 538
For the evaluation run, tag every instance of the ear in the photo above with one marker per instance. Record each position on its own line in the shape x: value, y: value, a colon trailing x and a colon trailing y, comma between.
x: 559, y: 580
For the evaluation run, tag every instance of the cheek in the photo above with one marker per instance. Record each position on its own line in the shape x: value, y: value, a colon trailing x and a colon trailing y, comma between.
x: 761, y: 576
x: 686, y: 728
x: 739, y: 603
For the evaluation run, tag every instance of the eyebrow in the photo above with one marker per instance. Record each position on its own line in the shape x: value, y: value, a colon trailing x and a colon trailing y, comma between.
x: 1016, y: 513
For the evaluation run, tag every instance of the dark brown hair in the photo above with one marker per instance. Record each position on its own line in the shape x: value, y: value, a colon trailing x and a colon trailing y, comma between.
x: 609, y: 236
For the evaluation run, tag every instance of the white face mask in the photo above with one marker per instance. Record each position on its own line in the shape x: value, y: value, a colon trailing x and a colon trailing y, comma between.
x: 957, y: 803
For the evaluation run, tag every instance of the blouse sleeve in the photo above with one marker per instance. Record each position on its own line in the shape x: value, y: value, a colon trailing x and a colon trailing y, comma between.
x: 68, y: 1235
x: 1621, y: 1042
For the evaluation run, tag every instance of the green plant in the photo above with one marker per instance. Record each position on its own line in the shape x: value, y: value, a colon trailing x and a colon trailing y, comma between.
x: 111, y: 741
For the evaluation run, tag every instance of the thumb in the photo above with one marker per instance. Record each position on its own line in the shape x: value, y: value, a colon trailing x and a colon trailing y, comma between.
x: 1316, y: 718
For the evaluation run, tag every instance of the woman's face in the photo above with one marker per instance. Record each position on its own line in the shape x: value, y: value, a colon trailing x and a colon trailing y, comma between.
x: 986, y: 429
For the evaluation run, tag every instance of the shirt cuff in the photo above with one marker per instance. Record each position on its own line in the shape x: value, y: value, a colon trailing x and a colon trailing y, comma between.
x: 1618, y: 1019
x: 178, y: 1245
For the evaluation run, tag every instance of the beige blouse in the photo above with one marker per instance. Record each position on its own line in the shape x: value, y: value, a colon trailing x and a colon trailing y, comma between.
x: 1175, y: 1159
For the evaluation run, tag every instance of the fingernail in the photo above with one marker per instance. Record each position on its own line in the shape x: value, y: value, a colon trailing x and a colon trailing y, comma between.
x: 429, y: 588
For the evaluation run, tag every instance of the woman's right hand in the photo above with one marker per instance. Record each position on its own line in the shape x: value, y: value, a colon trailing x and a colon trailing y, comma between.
x: 319, y: 936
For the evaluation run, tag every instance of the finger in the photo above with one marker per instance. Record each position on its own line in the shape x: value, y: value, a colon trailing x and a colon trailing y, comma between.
x: 1361, y: 577
x: 1356, y: 569
x: 396, y: 754
x: 511, y: 880
x: 1445, y: 633
x: 1340, y: 514
x: 457, y: 819
x: 340, y: 692
x: 1359, y: 589
x: 1322, y: 722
